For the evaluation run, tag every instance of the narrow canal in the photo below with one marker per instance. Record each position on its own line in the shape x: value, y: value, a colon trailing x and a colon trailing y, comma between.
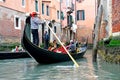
x: 28, y: 69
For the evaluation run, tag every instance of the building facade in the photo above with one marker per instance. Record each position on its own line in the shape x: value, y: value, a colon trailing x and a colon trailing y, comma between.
x: 85, y: 18
x: 83, y: 12
x: 12, y: 18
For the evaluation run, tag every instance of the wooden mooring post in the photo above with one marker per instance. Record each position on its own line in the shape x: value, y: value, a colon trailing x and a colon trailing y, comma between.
x: 96, y: 32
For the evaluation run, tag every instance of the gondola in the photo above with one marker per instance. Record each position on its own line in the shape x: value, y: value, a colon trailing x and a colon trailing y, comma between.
x: 13, y: 55
x: 44, y: 56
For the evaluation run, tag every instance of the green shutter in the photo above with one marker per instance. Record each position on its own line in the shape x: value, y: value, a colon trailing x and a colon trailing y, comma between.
x: 62, y: 16
x: 83, y: 15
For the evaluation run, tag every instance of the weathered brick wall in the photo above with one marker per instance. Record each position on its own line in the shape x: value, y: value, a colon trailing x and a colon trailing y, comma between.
x: 7, y: 29
x: 116, y: 15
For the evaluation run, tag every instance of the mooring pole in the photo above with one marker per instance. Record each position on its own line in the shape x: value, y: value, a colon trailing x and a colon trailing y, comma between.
x: 96, y: 32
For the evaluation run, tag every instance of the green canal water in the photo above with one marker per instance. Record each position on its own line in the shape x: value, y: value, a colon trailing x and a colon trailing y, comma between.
x: 28, y: 69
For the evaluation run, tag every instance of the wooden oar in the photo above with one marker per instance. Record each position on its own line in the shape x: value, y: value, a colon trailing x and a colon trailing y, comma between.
x: 64, y: 47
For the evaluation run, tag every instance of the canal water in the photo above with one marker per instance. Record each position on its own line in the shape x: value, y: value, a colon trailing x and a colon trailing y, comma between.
x: 28, y: 69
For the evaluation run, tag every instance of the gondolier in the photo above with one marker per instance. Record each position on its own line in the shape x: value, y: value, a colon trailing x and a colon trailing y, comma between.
x: 35, y: 22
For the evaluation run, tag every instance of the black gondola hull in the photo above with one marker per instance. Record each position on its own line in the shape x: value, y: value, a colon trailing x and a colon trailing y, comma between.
x: 44, y: 56
x: 13, y: 55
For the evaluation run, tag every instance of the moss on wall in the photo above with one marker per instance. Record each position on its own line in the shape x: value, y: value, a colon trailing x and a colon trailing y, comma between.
x: 112, y: 58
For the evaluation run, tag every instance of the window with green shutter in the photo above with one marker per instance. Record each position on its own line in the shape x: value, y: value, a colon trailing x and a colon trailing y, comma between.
x: 42, y: 8
x: 36, y: 5
x: 62, y: 16
x: 80, y: 15
x: 47, y: 10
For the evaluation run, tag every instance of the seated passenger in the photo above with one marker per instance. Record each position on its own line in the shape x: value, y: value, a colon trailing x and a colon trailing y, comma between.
x: 61, y: 49
x: 54, y: 46
x: 72, y: 48
x: 69, y: 44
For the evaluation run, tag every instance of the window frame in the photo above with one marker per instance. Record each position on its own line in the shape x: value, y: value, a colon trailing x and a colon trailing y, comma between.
x: 58, y: 14
x: 23, y: 1
x: 19, y: 22
x: 43, y: 8
x: 62, y: 15
x: 80, y: 15
x: 55, y: 29
x: 37, y: 6
x: 47, y: 10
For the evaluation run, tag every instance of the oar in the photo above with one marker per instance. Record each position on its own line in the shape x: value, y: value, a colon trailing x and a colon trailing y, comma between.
x: 64, y: 47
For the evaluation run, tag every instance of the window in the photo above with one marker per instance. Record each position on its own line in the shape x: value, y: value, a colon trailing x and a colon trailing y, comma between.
x: 2, y: 0
x: 58, y: 14
x: 42, y: 8
x: 36, y: 5
x: 47, y: 10
x: 55, y: 30
x: 61, y: 0
x: 67, y: 3
x: 62, y: 15
x: 80, y: 15
x: 69, y: 20
x: 23, y: 3
x: 17, y: 22
x: 79, y: 1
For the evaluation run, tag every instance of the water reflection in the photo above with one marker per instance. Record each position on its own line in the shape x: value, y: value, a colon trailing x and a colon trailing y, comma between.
x: 111, y: 71
x: 28, y: 69
x: 106, y: 71
x: 60, y: 71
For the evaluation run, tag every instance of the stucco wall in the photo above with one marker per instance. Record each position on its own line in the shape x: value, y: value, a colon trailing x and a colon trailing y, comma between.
x: 85, y: 27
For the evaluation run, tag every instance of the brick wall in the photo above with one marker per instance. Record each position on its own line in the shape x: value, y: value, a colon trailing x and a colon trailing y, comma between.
x: 116, y: 15
x: 7, y: 29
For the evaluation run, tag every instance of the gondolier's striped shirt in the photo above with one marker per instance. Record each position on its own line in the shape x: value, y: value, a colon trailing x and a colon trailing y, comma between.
x: 35, y: 21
